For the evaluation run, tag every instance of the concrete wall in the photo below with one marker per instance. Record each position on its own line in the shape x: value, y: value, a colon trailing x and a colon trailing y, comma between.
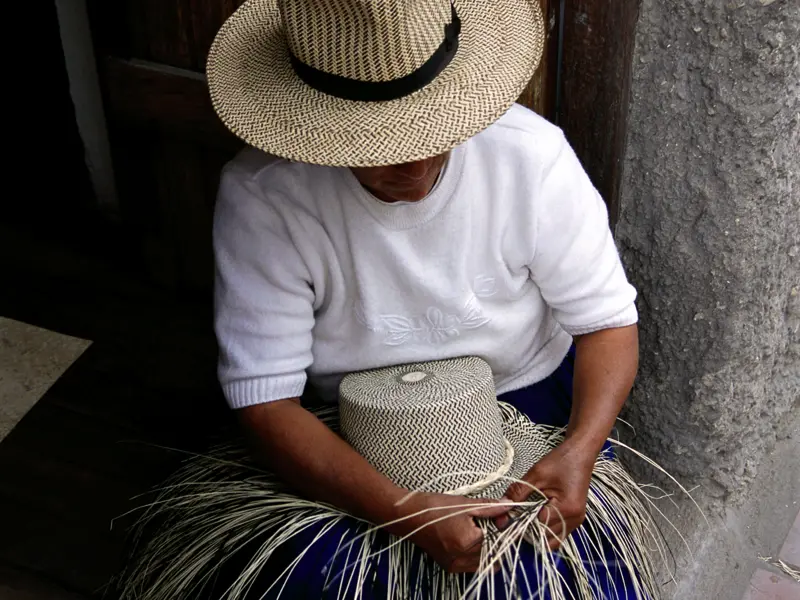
x: 710, y: 233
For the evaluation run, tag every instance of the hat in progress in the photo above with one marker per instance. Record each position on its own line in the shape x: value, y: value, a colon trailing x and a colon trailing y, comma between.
x: 437, y: 427
x: 370, y: 82
x: 433, y: 427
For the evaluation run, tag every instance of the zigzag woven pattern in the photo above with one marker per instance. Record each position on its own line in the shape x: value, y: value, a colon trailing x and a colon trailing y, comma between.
x: 258, y: 96
x: 368, y: 41
x: 436, y: 426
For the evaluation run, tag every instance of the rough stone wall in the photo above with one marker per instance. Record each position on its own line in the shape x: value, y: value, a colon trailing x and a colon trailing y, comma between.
x: 710, y: 234
x: 710, y: 231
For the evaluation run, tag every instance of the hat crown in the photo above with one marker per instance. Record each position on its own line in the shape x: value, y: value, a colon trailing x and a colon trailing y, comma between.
x: 435, y: 426
x: 365, y: 40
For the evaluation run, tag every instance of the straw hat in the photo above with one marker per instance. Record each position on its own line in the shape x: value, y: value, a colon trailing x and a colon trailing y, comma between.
x: 437, y: 427
x: 370, y: 82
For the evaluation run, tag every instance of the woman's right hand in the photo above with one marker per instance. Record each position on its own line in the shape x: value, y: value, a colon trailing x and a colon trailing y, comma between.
x: 322, y: 466
x: 455, y: 542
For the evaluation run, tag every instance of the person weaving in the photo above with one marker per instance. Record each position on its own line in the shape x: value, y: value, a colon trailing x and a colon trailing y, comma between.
x: 395, y: 206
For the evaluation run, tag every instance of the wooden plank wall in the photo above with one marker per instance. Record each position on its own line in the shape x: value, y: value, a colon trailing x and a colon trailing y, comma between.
x: 168, y: 145
x: 177, y: 33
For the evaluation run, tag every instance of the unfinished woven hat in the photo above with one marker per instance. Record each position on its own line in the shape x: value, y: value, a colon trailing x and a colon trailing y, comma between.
x: 434, y: 426
x: 370, y: 82
x: 437, y: 427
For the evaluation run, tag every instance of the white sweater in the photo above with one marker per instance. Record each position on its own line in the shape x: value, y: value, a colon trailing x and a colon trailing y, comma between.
x: 505, y: 259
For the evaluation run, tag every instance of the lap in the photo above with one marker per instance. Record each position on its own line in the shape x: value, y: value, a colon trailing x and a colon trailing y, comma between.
x: 319, y: 565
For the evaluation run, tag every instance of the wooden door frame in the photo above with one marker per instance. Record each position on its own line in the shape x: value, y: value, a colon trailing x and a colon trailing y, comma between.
x: 593, y: 88
x: 583, y: 84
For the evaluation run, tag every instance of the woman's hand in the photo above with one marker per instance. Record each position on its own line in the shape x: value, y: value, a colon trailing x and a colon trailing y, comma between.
x: 455, y: 542
x: 605, y: 366
x: 563, y: 477
x: 321, y: 465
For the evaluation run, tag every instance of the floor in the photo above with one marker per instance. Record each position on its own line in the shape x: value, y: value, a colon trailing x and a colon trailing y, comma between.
x: 101, y: 373
x: 32, y: 360
x: 772, y: 582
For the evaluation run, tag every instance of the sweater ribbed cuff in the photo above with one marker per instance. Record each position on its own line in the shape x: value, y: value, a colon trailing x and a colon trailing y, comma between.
x: 249, y: 392
x: 628, y: 316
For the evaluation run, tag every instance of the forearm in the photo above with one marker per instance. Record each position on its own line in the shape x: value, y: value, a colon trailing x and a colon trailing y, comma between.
x: 315, y: 461
x: 606, y: 362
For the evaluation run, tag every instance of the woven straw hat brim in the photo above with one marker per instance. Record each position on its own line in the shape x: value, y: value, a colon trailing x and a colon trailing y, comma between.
x: 531, y: 442
x: 258, y: 96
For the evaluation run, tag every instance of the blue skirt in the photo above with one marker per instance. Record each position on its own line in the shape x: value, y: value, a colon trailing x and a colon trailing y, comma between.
x: 323, y: 571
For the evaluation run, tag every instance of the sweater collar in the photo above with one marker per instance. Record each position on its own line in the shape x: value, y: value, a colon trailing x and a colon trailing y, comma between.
x: 407, y: 215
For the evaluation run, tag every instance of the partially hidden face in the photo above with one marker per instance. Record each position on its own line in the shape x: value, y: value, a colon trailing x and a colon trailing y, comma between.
x: 408, y: 182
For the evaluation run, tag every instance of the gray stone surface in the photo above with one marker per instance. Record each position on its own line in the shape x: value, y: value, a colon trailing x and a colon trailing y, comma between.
x: 725, y: 553
x: 710, y: 233
x: 31, y: 360
x: 790, y: 552
x: 769, y: 586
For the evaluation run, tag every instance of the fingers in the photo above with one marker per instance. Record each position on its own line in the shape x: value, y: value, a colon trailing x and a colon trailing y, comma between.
x: 550, y: 514
x: 518, y: 492
x: 555, y: 537
x: 551, y: 517
x: 465, y: 565
x: 498, y: 509
x: 470, y: 564
x: 561, y: 520
x: 554, y: 543
x: 498, y: 513
x: 502, y: 522
x: 469, y: 555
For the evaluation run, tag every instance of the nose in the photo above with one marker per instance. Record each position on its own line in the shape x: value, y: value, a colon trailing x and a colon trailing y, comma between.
x: 416, y: 169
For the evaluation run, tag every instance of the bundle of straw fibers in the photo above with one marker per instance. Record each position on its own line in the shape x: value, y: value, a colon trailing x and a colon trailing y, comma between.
x: 224, y: 528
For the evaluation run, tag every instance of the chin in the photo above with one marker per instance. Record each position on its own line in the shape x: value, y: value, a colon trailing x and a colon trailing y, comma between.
x: 408, y: 195
x: 415, y: 196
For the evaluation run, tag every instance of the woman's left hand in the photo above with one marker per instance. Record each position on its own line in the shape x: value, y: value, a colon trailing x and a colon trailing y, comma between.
x: 563, y: 476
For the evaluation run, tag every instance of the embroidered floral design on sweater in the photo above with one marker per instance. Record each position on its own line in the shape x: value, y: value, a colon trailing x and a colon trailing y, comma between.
x: 433, y: 327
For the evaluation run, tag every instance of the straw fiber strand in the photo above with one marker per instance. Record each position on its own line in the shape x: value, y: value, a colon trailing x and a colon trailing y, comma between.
x: 433, y: 426
x: 210, y: 509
